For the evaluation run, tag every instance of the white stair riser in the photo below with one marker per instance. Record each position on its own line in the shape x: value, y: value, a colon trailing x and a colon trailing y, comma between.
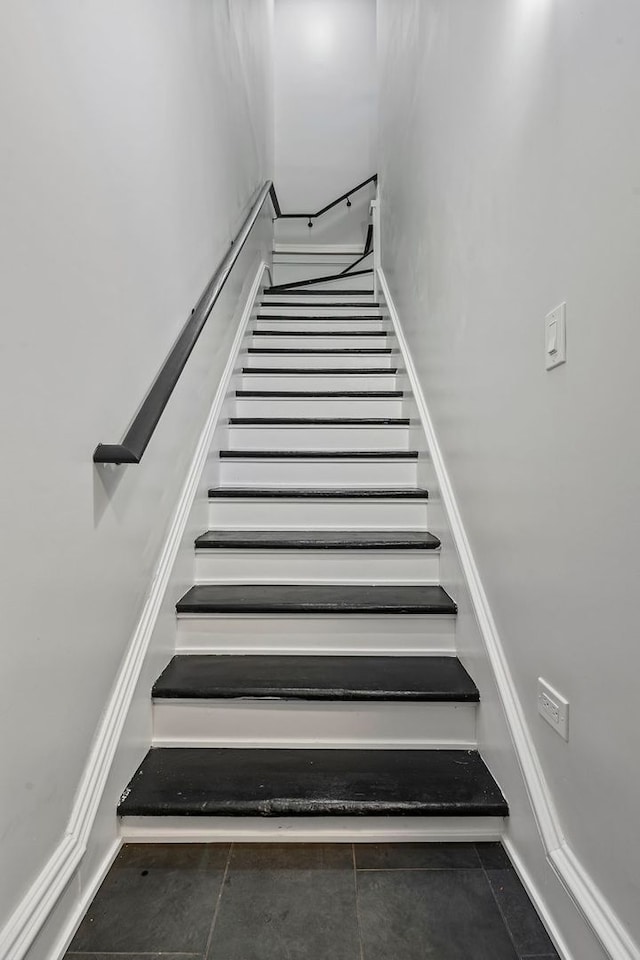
x: 328, y: 299
x: 294, y: 342
x: 320, y: 313
x: 317, y: 381
x: 307, y: 514
x: 298, y: 268
x: 301, y: 473
x: 312, y: 829
x: 349, y: 361
x: 315, y: 724
x: 319, y: 407
x: 318, y: 325
x: 363, y: 282
x: 318, y: 438
x: 349, y: 633
x: 317, y: 566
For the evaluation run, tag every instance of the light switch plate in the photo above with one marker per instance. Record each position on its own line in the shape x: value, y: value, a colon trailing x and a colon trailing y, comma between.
x: 555, y: 337
x: 554, y: 708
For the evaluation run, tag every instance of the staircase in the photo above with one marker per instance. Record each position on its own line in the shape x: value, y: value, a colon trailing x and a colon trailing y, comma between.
x: 316, y: 691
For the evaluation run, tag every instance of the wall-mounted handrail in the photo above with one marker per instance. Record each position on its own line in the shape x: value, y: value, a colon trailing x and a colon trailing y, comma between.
x: 345, y: 196
x: 132, y: 447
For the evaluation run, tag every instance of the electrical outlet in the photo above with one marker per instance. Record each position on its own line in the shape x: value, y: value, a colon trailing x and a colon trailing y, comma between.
x: 555, y: 337
x: 554, y: 708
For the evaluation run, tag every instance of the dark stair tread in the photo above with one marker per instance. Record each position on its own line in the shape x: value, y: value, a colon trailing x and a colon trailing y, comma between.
x: 329, y: 394
x: 320, y: 493
x: 275, y: 291
x: 349, y: 303
x: 373, y: 351
x: 316, y: 598
x: 322, y: 371
x: 267, y: 676
x: 318, y: 454
x: 317, y: 540
x: 321, y: 421
x: 272, y: 317
x: 212, y: 781
x: 320, y: 333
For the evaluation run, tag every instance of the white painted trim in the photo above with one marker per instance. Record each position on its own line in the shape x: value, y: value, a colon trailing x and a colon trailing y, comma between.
x: 83, y: 904
x: 29, y: 916
x: 537, y: 900
x: 302, y: 248
x: 599, y: 914
x: 310, y: 829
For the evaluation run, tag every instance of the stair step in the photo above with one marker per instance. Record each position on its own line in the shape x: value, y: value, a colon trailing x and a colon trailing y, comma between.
x: 320, y: 493
x: 317, y: 540
x: 322, y: 371
x: 318, y: 454
x: 273, y: 317
x: 319, y: 333
x: 293, y: 351
x: 325, y: 394
x: 271, y: 291
x: 312, y: 306
x: 206, y: 782
x: 317, y: 598
x: 320, y: 421
x: 429, y: 679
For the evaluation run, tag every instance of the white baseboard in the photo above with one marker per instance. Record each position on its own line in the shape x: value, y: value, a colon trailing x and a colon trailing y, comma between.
x: 31, y: 913
x: 599, y: 914
x: 83, y: 904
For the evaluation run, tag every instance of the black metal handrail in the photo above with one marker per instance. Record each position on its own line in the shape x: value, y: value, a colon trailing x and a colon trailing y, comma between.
x: 135, y: 441
x: 334, y: 203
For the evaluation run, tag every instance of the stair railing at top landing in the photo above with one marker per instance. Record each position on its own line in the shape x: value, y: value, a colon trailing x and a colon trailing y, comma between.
x: 145, y: 421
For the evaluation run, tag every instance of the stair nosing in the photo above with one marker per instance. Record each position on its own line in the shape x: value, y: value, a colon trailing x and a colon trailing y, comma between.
x: 312, y: 540
x: 214, y: 781
x: 318, y: 493
x: 322, y: 394
x: 321, y: 421
x: 456, y: 688
x: 194, y: 602
x: 318, y: 454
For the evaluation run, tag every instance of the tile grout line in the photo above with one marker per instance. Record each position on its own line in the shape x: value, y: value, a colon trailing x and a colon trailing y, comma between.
x: 216, y: 911
x: 355, y: 888
x: 500, y: 910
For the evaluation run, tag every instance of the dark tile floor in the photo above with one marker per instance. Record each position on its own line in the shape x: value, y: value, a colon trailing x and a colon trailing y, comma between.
x: 409, y: 901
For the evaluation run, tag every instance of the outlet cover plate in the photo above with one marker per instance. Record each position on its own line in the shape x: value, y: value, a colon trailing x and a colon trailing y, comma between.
x: 555, y: 337
x: 554, y: 708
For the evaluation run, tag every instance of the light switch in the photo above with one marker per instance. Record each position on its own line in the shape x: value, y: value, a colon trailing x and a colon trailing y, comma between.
x: 555, y: 337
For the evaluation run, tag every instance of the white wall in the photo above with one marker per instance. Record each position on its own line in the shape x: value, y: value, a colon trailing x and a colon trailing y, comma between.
x: 134, y: 138
x: 509, y: 158
x: 325, y: 114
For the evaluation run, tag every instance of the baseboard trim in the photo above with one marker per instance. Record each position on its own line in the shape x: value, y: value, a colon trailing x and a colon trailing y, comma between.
x: 88, y: 893
x: 598, y: 913
x: 31, y: 913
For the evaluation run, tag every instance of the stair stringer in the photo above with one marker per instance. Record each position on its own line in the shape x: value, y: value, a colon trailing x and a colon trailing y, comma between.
x: 564, y: 894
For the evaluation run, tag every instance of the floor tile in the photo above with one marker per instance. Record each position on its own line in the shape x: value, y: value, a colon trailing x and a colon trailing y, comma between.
x: 527, y: 931
x: 288, y: 901
x: 156, y: 898
x: 493, y: 856
x: 437, y: 914
x: 420, y: 856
